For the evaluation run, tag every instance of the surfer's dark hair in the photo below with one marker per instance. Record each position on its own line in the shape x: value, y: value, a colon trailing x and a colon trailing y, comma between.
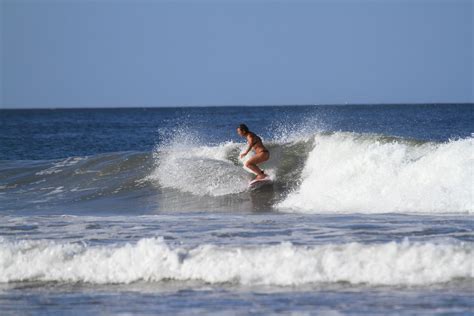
x: 244, y: 128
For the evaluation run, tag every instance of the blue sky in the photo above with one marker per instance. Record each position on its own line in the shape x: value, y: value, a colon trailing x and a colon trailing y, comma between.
x: 105, y: 53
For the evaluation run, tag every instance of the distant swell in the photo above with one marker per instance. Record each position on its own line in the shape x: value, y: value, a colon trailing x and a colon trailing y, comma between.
x: 152, y: 260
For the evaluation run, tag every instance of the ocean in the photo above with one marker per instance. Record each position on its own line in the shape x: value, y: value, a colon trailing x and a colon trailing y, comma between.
x: 148, y: 211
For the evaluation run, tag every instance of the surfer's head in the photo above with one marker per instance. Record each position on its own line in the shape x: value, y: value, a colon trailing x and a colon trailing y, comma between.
x: 242, y: 130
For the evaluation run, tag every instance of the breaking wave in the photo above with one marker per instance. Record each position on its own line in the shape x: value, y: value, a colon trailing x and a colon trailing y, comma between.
x: 152, y: 260
x: 319, y: 173
x: 371, y: 174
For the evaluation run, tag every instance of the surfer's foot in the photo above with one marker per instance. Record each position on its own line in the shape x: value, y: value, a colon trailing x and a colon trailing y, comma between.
x: 261, y: 176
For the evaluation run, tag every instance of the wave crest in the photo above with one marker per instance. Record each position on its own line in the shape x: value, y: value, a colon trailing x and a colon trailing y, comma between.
x: 152, y: 260
x: 348, y: 172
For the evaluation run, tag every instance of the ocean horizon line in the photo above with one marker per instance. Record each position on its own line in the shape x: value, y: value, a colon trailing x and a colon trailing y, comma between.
x: 228, y: 106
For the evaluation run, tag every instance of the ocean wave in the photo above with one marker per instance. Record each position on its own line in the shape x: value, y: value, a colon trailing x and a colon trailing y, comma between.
x: 152, y: 260
x: 335, y: 173
x: 323, y: 173
x: 72, y: 180
x: 348, y: 172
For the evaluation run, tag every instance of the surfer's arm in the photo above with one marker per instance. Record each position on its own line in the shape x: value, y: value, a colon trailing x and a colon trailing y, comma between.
x: 251, y: 142
x: 244, y: 153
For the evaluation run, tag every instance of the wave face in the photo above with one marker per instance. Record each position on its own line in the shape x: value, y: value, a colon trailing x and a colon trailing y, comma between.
x: 153, y: 260
x: 73, y: 182
x: 319, y: 173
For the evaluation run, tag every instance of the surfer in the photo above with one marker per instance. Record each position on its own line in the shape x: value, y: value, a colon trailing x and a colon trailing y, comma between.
x: 261, y: 153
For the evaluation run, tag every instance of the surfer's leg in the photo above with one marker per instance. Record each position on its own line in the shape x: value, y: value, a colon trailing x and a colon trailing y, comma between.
x: 255, y: 169
x: 252, y: 164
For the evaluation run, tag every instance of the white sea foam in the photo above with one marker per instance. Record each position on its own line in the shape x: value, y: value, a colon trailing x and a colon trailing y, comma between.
x: 285, y: 264
x: 200, y: 170
x: 348, y: 172
x: 56, y: 191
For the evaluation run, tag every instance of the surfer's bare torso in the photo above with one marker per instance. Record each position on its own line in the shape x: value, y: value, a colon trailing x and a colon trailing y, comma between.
x: 255, y: 143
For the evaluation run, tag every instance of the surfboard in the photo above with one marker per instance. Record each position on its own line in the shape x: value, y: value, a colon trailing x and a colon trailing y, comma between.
x: 258, y: 183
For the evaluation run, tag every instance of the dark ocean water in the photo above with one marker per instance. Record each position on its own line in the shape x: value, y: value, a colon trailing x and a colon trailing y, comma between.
x: 62, y: 133
x: 148, y: 211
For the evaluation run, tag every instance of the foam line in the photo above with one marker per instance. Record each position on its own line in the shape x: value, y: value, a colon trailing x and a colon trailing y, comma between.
x: 152, y: 260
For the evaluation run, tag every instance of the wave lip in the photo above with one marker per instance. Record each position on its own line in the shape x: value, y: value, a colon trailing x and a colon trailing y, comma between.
x: 347, y: 173
x: 285, y: 264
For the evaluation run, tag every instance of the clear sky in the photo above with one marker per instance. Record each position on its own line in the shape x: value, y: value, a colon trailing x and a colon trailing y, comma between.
x: 105, y: 53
